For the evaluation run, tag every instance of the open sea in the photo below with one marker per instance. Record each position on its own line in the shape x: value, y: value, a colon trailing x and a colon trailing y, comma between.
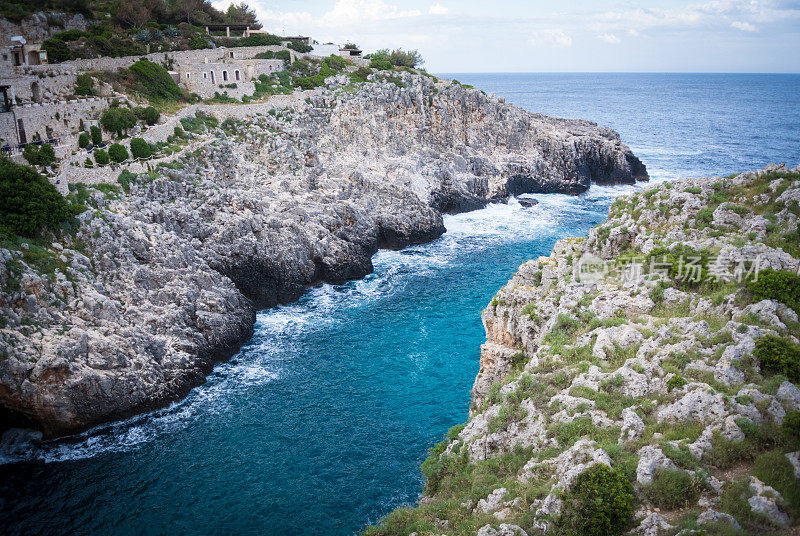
x: 319, y: 424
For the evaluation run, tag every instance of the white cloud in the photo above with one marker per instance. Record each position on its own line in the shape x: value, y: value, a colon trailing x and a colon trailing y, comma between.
x: 744, y: 26
x: 609, y: 38
x: 438, y: 9
x: 354, y: 12
x: 551, y: 37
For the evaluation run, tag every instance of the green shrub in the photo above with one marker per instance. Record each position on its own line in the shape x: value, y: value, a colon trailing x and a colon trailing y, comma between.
x: 57, y: 50
x: 337, y: 63
x: 29, y: 204
x: 155, y: 81
x: 791, y: 425
x: 118, y: 120
x: 774, y: 469
x: 360, y: 74
x: 83, y: 140
x: 118, y: 152
x: 140, y: 148
x: 381, y: 64
x: 781, y: 286
x: 148, y: 115
x: 101, y: 157
x: 672, y: 488
x: 84, y: 85
x: 676, y: 382
x: 600, y: 503
x: 300, y: 47
x: 779, y: 355
x: 39, y: 155
x: 97, y: 135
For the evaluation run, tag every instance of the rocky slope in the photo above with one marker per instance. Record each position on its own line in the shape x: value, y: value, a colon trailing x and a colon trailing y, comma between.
x: 681, y: 376
x: 167, y: 269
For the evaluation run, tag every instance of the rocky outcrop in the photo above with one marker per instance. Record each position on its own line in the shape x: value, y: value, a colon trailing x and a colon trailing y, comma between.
x: 607, y: 352
x: 165, y: 273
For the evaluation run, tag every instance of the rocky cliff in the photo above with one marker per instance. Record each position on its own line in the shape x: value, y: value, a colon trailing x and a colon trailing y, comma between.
x: 643, y: 378
x: 166, y: 271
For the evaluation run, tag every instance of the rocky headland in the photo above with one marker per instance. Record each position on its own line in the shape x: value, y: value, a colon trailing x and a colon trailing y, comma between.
x: 165, y: 272
x: 654, y: 363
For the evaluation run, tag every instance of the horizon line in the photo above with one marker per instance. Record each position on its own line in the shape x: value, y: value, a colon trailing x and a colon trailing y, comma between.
x: 619, y: 72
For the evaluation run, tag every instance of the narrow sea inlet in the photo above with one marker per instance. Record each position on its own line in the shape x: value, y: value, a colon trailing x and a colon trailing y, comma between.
x: 319, y: 424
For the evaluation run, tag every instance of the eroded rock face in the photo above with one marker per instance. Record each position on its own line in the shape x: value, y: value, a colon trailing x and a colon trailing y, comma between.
x: 651, y: 377
x: 162, y: 281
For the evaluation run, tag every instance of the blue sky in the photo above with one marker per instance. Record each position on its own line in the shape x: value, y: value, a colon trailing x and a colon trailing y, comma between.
x: 571, y: 35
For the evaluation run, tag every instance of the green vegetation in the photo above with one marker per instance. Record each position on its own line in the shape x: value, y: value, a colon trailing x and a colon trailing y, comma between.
x: 101, y: 157
x: 600, y: 503
x: 84, y: 85
x: 148, y: 115
x: 673, y: 488
x: 388, y: 59
x: 83, y: 140
x: 781, y: 286
x: 29, y: 205
x: 140, y: 148
x: 97, y: 135
x: 774, y: 469
x: 779, y: 356
x: 39, y: 155
x: 118, y: 152
x: 155, y: 81
x: 118, y: 120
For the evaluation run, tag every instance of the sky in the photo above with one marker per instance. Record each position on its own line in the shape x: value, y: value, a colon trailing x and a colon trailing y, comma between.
x: 565, y: 36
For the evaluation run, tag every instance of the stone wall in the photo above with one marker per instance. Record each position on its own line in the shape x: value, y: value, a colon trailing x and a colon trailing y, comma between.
x: 63, y: 118
x: 207, y: 78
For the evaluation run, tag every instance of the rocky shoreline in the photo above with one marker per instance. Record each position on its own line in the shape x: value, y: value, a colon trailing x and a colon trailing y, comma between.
x: 166, y: 272
x: 655, y: 362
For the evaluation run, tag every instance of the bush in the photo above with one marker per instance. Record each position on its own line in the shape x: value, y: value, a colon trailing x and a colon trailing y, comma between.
x: 155, y: 80
x: 676, y: 382
x: 140, y: 148
x: 149, y: 114
x: 781, y: 286
x: 381, y: 64
x: 302, y: 48
x: 84, y: 85
x: 101, y: 157
x: 118, y: 120
x: 97, y: 135
x: 57, y: 50
x: 672, y: 488
x: 29, y: 204
x: 336, y: 63
x: 360, y: 74
x: 83, y: 140
x: 600, y: 503
x: 118, y: 152
x: 42, y: 155
x: 779, y: 355
x: 774, y: 469
x: 791, y: 425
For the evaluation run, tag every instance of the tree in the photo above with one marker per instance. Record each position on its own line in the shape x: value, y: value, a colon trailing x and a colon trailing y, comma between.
x: 140, y: 148
x: 242, y: 14
x: 134, y: 13
x: 29, y: 204
x: 83, y: 140
x: 57, y: 50
x: 149, y: 114
x: 43, y: 155
x: 118, y: 152
x: 97, y: 135
x: 101, y: 157
x: 118, y: 120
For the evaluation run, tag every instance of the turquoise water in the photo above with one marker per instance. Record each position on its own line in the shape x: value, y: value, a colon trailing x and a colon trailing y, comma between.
x: 319, y: 424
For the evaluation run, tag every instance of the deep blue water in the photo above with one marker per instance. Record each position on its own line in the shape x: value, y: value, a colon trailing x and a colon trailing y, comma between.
x: 319, y: 424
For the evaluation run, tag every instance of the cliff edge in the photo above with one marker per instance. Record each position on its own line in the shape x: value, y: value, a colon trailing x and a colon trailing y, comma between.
x: 642, y: 380
x: 167, y: 269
